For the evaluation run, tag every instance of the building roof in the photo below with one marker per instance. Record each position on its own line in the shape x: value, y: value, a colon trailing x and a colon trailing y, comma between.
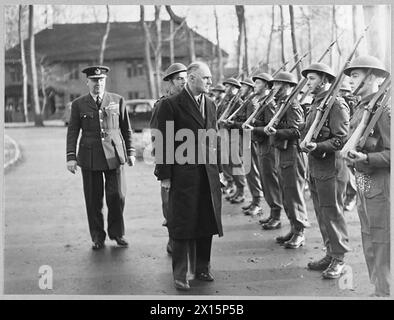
x: 82, y: 41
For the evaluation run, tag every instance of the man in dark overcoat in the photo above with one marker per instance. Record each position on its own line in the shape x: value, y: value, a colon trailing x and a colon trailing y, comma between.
x: 194, y: 214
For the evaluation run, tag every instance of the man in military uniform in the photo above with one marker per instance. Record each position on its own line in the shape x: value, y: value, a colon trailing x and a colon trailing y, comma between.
x: 373, y: 174
x: 105, y: 146
x: 253, y: 175
x: 267, y: 154
x: 328, y: 172
x: 234, y: 182
x: 176, y: 77
x: 219, y: 93
x: 291, y: 163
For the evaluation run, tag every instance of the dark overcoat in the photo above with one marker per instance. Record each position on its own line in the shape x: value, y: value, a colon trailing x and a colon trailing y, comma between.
x: 195, y: 193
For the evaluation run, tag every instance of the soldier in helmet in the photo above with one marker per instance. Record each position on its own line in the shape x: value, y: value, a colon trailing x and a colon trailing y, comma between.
x: 219, y: 93
x: 175, y: 76
x: 373, y: 174
x: 253, y: 175
x: 328, y: 172
x: 236, y: 161
x: 267, y: 157
x: 291, y: 163
x: 231, y: 87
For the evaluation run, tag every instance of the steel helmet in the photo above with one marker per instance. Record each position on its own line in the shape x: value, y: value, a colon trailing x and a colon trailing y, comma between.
x: 172, y: 69
x: 219, y: 87
x: 321, y: 68
x: 367, y: 62
x: 262, y: 76
x: 248, y: 82
x: 234, y: 82
x: 286, y: 77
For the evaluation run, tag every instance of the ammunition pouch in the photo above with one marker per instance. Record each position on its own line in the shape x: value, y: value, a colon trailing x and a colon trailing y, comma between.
x: 324, y: 134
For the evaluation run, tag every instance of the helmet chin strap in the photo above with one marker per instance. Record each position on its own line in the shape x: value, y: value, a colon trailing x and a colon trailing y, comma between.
x: 362, y: 83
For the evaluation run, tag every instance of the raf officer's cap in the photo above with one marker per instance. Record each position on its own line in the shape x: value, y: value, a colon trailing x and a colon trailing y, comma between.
x: 95, y: 72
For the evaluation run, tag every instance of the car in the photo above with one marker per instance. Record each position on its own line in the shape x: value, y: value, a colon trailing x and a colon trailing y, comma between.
x: 140, y: 112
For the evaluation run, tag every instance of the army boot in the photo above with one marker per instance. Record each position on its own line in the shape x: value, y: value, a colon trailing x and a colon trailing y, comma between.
x: 253, y: 211
x: 282, y: 239
x: 334, y: 270
x: 296, y: 241
x: 320, y: 265
x: 272, y: 224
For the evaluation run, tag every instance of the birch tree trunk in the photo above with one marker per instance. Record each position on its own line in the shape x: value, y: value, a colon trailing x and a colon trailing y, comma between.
x: 282, y: 35
x: 158, y: 50
x: 219, y: 50
x: 105, y: 37
x: 271, y: 34
x: 148, y: 62
x: 293, y: 40
x: 38, y: 122
x: 24, y: 67
x: 240, y: 52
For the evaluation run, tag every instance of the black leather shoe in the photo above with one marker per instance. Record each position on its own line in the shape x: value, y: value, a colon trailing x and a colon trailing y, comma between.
x: 264, y: 220
x: 204, y: 276
x: 253, y: 211
x: 272, y: 224
x: 98, y: 245
x: 282, y: 239
x: 296, y: 241
x: 320, y: 265
x: 121, y: 241
x: 334, y: 270
x: 180, y: 285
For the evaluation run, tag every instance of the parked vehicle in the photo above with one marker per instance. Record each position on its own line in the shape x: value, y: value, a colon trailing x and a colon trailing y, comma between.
x: 140, y: 112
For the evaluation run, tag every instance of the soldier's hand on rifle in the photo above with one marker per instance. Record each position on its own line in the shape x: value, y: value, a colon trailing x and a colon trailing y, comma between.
x: 248, y: 126
x: 355, y: 156
x: 269, y: 131
x: 131, y: 161
x: 72, y: 166
x: 308, y: 147
x: 166, y: 184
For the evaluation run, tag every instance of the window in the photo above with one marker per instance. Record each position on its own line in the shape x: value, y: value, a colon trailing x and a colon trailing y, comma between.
x: 140, y: 68
x: 15, y: 73
x: 134, y: 95
x: 129, y: 70
x: 73, y: 71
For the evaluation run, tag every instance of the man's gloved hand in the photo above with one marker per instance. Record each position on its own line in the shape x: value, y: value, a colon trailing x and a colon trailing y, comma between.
x: 166, y: 184
x: 72, y: 166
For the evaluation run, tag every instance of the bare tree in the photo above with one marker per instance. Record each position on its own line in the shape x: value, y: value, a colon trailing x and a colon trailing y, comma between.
x: 354, y: 25
x: 293, y: 40
x: 148, y: 62
x: 271, y: 34
x: 219, y: 50
x: 246, y: 56
x: 43, y: 73
x: 240, y: 11
x: 157, y: 50
x: 171, y: 39
x: 282, y: 35
x: 105, y: 37
x: 24, y: 67
x: 182, y: 21
x: 36, y: 102
x: 307, y: 18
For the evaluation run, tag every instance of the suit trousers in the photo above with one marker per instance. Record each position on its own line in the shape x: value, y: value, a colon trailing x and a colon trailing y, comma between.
x: 253, y: 176
x: 115, y: 191
x: 268, y: 167
x: 190, y: 256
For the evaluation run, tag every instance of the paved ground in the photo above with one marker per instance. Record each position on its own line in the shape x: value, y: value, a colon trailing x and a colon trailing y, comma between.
x: 46, y: 224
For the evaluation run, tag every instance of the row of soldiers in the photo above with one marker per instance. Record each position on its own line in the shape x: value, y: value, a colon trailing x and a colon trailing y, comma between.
x: 285, y: 161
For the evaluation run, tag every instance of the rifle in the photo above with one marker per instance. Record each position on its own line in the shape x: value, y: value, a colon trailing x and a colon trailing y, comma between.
x: 359, y: 136
x: 270, y: 96
x: 325, y: 106
x: 283, y: 108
